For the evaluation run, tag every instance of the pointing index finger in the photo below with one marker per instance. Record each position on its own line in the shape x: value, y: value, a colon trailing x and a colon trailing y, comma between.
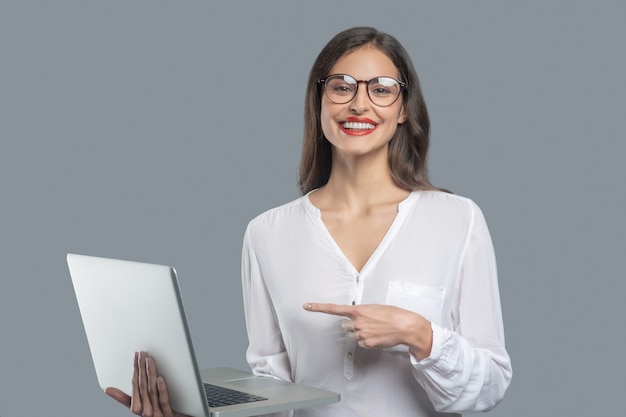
x: 334, y: 309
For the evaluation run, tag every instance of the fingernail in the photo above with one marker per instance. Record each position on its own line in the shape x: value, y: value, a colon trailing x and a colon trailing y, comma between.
x: 307, y: 306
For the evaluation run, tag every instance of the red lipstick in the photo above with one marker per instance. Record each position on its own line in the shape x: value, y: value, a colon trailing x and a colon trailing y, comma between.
x: 357, y: 126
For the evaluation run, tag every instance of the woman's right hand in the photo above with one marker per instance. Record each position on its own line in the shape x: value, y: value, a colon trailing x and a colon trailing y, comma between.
x: 150, y: 397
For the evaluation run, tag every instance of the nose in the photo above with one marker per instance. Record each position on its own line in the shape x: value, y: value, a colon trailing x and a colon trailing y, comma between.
x: 361, y: 101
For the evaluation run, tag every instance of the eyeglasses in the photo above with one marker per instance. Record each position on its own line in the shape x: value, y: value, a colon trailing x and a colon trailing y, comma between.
x: 342, y: 88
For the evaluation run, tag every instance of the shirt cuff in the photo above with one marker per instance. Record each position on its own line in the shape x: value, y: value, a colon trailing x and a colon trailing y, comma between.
x: 439, y: 338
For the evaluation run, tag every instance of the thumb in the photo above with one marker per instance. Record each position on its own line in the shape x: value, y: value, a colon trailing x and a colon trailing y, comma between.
x: 118, y: 395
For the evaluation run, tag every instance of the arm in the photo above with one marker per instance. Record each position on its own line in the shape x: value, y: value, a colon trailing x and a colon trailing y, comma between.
x: 457, y: 376
x: 468, y: 369
x: 266, y: 353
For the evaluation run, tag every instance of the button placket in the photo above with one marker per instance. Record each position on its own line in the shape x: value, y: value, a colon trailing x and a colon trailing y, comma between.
x: 356, y: 295
x: 348, y: 361
x: 358, y: 289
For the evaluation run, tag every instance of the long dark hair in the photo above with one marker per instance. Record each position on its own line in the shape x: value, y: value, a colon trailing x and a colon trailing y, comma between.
x: 409, y: 145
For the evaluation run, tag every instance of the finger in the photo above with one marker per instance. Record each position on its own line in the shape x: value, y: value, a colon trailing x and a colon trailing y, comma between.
x: 144, y: 387
x: 153, y: 389
x: 334, y: 309
x: 164, y: 397
x: 135, y: 404
x: 347, y: 326
x: 118, y: 395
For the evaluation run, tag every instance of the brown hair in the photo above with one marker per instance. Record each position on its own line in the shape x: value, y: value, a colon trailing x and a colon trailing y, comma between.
x: 409, y: 145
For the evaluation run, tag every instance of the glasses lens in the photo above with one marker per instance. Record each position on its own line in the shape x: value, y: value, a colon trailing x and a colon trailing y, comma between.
x: 383, y: 91
x: 340, y: 89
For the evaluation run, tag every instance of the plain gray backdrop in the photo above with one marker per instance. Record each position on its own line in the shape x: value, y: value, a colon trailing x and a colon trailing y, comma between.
x: 154, y: 131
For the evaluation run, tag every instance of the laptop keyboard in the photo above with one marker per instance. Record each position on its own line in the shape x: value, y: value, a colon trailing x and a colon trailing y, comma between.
x: 220, y: 396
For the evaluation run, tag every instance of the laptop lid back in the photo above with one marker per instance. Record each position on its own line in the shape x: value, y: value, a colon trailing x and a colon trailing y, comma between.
x: 128, y: 307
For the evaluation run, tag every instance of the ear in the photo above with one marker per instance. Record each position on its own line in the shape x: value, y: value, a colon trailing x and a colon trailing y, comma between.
x: 402, y: 115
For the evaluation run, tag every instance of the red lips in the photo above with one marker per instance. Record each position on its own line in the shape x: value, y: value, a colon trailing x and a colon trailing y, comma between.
x: 357, y: 126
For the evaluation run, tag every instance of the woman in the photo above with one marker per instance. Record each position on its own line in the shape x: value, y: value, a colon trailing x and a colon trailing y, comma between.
x: 374, y: 283
x: 397, y: 278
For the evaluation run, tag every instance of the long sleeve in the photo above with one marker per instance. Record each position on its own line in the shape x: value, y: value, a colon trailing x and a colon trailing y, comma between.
x: 266, y: 352
x: 469, y: 369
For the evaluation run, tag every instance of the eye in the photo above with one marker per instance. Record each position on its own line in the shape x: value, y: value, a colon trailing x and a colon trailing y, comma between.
x: 383, y: 86
x: 380, y: 90
x: 339, y: 86
x: 342, y: 88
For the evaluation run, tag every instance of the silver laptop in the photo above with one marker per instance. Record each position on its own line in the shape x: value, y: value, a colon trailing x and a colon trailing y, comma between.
x: 128, y: 307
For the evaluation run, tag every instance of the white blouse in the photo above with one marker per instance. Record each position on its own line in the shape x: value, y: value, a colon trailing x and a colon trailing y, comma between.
x: 436, y: 259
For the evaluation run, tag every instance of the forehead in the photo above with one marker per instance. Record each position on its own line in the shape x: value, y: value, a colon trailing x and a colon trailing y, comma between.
x: 365, y: 63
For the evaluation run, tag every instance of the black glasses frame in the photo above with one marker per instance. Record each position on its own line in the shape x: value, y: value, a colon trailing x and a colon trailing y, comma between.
x: 322, y: 82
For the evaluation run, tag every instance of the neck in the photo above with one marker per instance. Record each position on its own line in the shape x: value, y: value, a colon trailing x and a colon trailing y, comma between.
x: 361, y: 181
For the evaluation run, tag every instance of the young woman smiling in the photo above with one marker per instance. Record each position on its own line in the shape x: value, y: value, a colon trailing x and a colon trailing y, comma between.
x: 374, y: 283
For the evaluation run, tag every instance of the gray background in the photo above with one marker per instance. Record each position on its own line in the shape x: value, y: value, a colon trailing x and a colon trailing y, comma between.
x: 154, y: 131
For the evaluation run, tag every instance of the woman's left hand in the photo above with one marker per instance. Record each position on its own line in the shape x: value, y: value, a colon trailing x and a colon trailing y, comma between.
x: 377, y: 326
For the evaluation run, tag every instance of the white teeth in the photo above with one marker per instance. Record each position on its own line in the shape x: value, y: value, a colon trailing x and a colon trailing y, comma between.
x: 358, y: 126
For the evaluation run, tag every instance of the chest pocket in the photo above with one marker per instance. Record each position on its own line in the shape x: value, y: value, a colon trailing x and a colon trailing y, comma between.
x: 421, y: 299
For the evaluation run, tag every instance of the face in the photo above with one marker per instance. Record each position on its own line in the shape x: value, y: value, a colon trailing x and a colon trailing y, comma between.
x: 359, y: 127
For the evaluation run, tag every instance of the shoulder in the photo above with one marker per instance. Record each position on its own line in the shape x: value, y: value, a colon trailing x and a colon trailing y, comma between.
x: 446, y: 203
x: 444, y: 210
x: 280, y: 216
x: 445, y: 216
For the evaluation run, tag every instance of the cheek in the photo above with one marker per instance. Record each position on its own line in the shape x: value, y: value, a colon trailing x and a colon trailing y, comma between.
x: 396, y: 116
x: 326, y: 121
x: 399, y: 113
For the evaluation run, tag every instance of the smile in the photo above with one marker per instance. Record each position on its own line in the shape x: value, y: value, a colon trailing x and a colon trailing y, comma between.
x: 358, y: 126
